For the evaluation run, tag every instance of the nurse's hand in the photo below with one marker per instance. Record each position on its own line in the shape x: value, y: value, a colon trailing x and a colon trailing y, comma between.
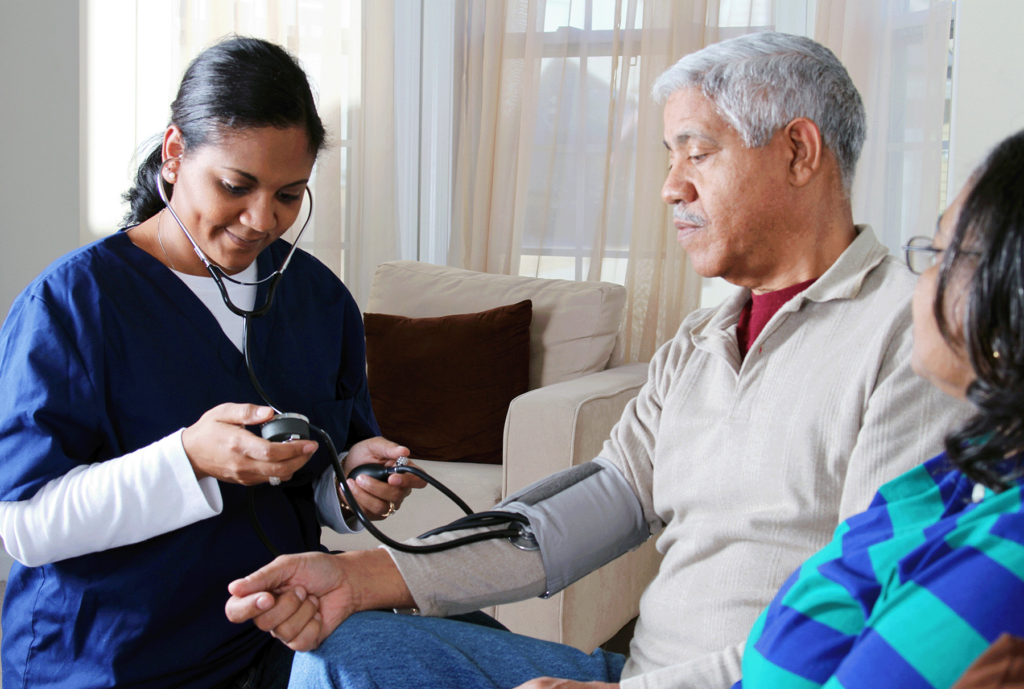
x: 378, y: 499
x: 219, y: 445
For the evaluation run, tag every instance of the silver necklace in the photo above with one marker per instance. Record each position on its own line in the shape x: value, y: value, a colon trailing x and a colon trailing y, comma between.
x: 160, y: 239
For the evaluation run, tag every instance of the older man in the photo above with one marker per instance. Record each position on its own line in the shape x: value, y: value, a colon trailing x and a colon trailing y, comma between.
x: 763, y: 424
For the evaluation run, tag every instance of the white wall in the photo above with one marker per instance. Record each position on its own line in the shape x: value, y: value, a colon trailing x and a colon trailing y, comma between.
x: 988, y: 82
x: 39, y: 144
x: 39, y: 139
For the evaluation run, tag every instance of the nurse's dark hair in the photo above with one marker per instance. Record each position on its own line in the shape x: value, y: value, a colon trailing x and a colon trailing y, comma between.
x: 236, y: 84
x: 989, y: 239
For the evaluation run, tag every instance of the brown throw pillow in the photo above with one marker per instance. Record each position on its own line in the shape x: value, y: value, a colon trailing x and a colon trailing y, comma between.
x: 442, y: 386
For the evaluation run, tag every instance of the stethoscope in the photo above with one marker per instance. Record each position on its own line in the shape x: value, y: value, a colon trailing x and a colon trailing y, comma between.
x: 216, y: 272
x: 285, y: 427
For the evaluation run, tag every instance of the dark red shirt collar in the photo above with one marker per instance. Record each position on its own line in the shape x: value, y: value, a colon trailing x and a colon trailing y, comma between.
x: 759, y: 309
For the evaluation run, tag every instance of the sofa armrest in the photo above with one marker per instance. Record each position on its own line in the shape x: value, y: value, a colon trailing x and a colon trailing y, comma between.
x: 561, y: 425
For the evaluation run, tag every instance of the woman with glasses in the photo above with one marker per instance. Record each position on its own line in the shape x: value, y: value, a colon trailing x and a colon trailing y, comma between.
x: 912, y: 590
x: 921, y: 253
x: 132, y: 479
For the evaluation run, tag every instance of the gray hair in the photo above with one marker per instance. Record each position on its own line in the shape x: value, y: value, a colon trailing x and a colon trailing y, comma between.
x: 760, y: 82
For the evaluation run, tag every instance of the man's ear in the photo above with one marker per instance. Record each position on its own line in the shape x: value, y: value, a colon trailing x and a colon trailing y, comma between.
x: 804, y: 140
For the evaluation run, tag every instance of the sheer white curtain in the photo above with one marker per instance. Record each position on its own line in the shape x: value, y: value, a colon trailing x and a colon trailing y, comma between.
x: 556, y: 147
x: 897, y: 52
x: 137, y: 51
x: 559, y: 159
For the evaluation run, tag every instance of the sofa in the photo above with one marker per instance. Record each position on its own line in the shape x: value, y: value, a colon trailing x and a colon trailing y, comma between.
x: 576, y: 393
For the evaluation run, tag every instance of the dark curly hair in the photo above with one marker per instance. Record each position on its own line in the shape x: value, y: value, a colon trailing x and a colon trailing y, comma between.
x: 238, y: 83
x: 989, y: 237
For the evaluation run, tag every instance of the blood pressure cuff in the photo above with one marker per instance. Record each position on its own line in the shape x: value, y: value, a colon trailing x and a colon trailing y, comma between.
x: 581, y: 518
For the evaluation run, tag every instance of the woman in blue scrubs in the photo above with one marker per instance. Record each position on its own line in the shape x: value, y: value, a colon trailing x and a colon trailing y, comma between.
x: 125, y: 401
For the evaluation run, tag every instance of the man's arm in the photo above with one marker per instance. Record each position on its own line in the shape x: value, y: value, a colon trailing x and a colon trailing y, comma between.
x: 470, y: 577
x: 586, y: 515
x: 495, y: 572
x: 457, y: 580
x: 578, y: 520
x: 444, y: 583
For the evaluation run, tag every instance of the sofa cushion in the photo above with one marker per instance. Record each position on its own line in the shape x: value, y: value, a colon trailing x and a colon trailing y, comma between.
x: 441, y: 386
x: 575, y: 324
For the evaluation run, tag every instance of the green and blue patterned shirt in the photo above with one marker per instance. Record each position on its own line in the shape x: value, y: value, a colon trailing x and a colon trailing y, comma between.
x: 907, y: 594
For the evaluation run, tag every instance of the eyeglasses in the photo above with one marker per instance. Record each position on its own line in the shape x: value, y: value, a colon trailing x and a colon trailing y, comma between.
x: 921, y: 255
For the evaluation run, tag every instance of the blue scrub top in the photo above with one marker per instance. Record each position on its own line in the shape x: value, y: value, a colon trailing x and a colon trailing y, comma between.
x: 106, y: 352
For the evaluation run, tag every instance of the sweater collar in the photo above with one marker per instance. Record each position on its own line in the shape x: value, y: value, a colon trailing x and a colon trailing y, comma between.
x: 846, y: 276
x: 843, y: 280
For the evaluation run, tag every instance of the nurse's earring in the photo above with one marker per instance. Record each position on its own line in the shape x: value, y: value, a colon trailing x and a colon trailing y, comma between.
x: 170, y: 172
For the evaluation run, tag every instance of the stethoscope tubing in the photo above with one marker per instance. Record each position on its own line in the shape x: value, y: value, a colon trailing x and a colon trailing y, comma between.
x: 403, y: 547
x: 471, y: 520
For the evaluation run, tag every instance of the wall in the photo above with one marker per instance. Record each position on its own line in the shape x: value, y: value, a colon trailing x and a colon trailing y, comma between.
x: 39, y: 139
x: 988, y: 82
x: 39, y: 144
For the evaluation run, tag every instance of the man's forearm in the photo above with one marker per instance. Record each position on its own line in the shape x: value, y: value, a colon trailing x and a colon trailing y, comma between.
x: 375, y: 580
x: 469, y: 577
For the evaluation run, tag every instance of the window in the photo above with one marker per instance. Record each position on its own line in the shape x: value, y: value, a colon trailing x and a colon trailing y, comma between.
x: 135, y: 54
x: 582, y: 168
x: 577, y: 181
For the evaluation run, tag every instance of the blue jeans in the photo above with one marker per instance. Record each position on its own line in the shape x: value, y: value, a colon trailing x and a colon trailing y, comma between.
x: 382, y: 649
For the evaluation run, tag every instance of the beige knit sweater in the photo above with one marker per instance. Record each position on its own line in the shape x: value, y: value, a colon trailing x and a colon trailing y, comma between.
x: 745, y: 467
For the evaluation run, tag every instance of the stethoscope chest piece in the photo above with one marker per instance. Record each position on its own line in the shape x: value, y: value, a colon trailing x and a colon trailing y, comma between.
x: 285, y: 427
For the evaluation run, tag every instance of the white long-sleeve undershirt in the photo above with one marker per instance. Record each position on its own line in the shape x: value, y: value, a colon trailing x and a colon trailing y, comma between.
x: 144, y: 493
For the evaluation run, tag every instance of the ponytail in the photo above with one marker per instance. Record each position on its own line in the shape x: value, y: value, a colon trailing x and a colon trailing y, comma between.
x: 239, y: 83
x: 144, y: 198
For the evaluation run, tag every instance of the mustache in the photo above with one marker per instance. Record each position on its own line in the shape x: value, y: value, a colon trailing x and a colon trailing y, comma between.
x: 680, y: 214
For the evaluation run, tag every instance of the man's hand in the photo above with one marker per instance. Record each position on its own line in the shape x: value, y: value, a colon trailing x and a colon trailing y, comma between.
x: 377, y: 497
x: 553, y: 683
x: 301, y: 599
x: 219, y: 445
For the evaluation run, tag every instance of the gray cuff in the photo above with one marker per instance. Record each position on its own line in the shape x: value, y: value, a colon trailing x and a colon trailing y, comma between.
x: 582, y: 518
x: 470, y: 577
